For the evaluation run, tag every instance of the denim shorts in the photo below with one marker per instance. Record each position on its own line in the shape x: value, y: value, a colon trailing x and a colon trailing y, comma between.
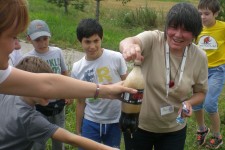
x: 216, y: 79
x: 108, y: 134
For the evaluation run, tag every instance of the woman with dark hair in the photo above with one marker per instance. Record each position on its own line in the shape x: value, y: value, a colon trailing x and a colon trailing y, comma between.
x: 14, y: 20
x: 175, y: 71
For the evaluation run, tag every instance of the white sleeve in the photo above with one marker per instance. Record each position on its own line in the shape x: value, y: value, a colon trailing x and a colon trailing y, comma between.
x: 5, y: 73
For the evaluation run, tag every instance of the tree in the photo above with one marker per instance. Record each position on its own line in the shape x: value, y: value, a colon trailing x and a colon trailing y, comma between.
x: 61, y: 3
x: 65, y: 6
x: 97, y: 10
x: 77, y: 4
x: 124, y: 1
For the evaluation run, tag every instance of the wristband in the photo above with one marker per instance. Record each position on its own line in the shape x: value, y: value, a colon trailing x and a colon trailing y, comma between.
x: 97, y: 91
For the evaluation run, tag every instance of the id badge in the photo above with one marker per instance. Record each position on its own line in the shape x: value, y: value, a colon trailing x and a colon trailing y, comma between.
x: 168, y: 109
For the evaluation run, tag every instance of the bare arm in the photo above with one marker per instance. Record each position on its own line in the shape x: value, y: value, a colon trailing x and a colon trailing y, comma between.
x: 67, y: 101
x: 131, y: 48
x: 196, y: 99
x: 78, y: 141
x: 80, y: 106
x: 56, y: 86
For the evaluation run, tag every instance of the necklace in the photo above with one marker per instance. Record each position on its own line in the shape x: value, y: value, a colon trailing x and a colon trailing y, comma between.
x: 170, y: 83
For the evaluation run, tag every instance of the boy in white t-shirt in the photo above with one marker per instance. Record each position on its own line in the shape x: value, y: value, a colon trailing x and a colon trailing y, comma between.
x: 96, y: 118
x: 16, y: 55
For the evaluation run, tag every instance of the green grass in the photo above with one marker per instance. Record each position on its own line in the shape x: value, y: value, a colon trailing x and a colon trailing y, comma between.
x: 63, y: 35
x: 63, y: 26
x: 191, y: 137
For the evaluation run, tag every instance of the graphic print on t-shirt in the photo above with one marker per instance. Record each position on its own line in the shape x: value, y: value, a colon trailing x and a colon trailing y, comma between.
x: 208, y: 43
x: 89, y: 75
x: 55, y: 65
x: 103, y: 74
x: 103, y: 77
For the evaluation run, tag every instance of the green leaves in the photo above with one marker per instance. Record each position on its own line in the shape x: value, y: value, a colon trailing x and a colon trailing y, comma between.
x: 221, y: 15
x: 124, y: 1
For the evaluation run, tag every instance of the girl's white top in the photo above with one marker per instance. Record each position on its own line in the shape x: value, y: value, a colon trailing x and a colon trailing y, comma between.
x: 5, y: 73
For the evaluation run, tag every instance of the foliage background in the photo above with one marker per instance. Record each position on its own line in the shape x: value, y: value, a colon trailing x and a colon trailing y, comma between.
x: 119, y: 21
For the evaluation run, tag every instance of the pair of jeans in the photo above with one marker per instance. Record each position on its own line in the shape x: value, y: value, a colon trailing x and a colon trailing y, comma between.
x: 216, y: 79
x: 58, y: 119
x: 108, y: 134
x: 145, y: 140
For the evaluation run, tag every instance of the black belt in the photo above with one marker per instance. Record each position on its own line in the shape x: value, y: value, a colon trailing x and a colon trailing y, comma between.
x: 52, y: 108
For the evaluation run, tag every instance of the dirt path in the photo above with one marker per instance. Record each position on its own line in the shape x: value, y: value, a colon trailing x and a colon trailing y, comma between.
x: 71, y: 55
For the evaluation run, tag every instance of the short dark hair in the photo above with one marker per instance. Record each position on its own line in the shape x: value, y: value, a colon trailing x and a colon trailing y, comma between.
x: 34, y: 64
x: 88, y: 27
x: 184, y: 15
x: 213, y: 5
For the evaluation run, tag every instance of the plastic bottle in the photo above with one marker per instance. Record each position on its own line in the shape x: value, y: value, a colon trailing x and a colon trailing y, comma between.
x: 180, y: 120
x: 131, y: 103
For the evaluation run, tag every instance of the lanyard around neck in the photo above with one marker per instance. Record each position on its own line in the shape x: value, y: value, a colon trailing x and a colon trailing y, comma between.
x: 168, y: 67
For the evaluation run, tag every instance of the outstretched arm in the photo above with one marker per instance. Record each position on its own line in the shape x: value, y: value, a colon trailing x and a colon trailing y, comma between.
x: 47, y: 85
x: 78, y: 141
x: 67, y: 100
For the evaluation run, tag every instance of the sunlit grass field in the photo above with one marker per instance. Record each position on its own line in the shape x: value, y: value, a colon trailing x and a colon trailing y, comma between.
x: 111, y: 12
x: 63, y: 35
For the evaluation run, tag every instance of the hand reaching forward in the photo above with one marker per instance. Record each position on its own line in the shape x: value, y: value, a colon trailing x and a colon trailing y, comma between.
x: 114, y: 91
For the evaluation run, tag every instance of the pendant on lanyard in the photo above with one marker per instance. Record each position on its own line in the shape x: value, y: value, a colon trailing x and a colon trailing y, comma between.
x: 170, y: 83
